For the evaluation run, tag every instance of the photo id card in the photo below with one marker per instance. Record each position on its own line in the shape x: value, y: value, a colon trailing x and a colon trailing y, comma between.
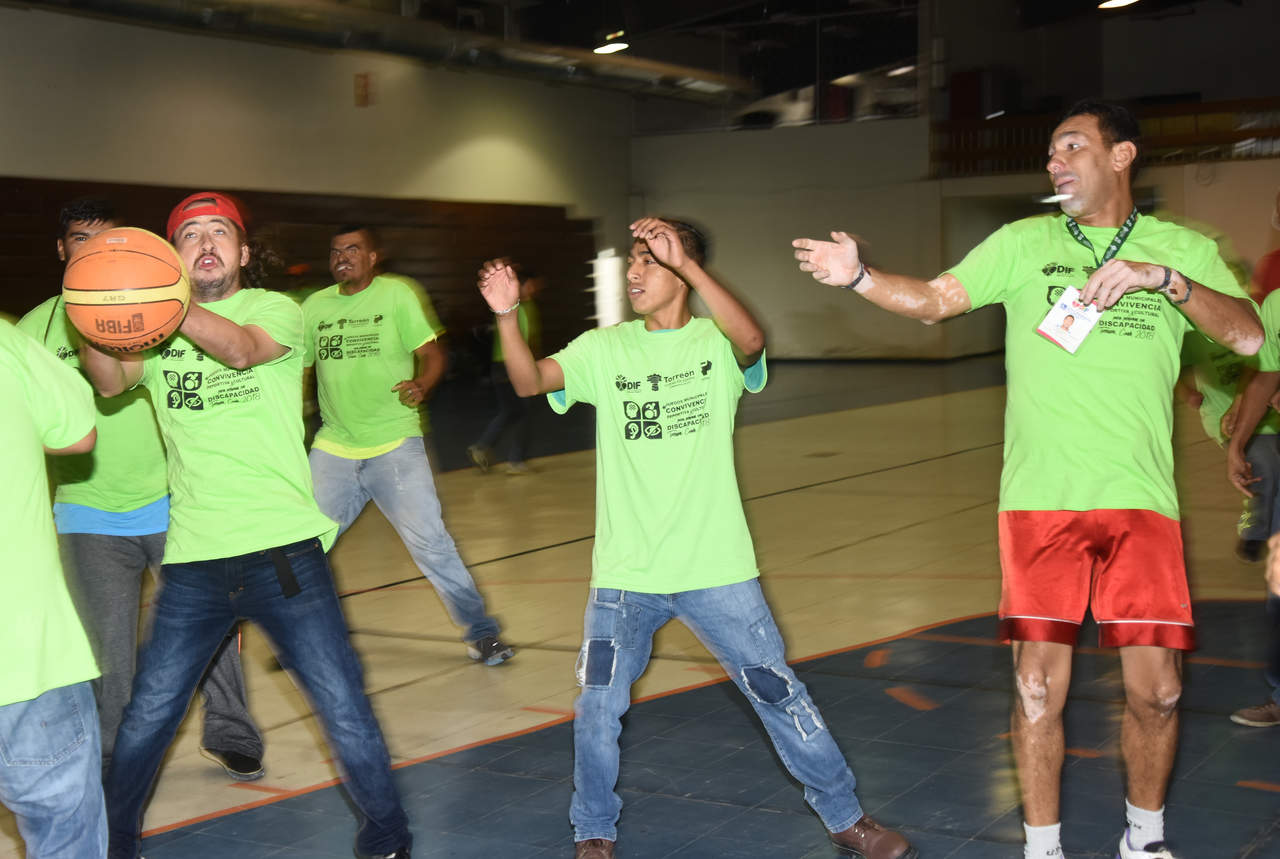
x: 1068, y: 321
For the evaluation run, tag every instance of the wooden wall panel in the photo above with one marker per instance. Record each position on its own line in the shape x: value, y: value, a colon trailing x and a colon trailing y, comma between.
x: 440, y: 243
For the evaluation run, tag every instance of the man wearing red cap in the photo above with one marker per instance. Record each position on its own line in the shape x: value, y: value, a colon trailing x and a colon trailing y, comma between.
x: 246, y: 539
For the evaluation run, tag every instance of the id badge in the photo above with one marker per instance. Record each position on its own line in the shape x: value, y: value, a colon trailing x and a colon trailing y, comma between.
x: 1068, y: 322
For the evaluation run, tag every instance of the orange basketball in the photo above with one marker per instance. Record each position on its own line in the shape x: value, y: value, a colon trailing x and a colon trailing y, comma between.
x: 126, y: 289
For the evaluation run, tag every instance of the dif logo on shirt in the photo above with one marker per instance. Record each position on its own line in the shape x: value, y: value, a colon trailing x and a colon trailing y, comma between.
x: 642, y: 420
x: 330, y: 347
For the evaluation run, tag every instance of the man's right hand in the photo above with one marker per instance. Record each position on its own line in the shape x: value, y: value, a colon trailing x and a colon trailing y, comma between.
x: 498, y: 284
x: 835, y: 263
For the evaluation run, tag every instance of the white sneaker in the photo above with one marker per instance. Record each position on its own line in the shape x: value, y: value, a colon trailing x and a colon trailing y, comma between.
x: 1154, y: 850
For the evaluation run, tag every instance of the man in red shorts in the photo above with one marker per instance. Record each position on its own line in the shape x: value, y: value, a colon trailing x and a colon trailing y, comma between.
x: 1088, y: 511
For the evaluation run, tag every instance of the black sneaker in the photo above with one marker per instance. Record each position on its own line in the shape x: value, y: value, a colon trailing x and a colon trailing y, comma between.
x: 238, y: 766
x: 402, y: 853
x: 1251, y: 551
x: 490, y: 650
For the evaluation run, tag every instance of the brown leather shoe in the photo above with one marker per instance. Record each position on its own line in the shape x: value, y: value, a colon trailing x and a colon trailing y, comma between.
x: 593, y: 848
x: 870, y: 840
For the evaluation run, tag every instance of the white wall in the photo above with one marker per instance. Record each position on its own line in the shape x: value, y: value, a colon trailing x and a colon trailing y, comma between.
x: 755, y: 191
x: 85, y: 99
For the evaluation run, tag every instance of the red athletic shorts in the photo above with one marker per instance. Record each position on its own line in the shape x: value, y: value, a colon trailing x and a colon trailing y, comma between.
x: 1125, y: 565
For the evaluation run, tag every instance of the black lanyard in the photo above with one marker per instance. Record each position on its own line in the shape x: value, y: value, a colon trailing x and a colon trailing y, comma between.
x: 1114, y: 247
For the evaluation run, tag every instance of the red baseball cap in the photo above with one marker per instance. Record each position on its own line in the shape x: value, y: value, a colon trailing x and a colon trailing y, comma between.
x: 203, y: 203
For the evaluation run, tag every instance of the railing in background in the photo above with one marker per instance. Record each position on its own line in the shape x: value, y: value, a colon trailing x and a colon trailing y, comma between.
x: 1172, y: 134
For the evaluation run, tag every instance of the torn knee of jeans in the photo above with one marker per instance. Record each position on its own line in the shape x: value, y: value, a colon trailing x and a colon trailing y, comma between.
x: 596, y: 662
x: 767, y: 685
x: 805, y: 718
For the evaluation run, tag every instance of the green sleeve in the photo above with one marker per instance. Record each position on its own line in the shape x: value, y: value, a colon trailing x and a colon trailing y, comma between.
x: 280, y: 317
x: 415, y: 318
x: 58, y: 398
x: 577, y: 361
x: 308, y: 333
x: 988, y: 269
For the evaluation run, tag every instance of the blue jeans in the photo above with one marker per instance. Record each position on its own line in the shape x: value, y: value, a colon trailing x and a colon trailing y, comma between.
x: 196, y: 606
x: 735, y: 624
x: 1261, y: 516
x: 51, y: 773
x: 400, y: 483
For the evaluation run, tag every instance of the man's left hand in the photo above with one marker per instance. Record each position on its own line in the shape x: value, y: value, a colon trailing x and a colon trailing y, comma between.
x: 411, y: 392
x: 1116, y: 278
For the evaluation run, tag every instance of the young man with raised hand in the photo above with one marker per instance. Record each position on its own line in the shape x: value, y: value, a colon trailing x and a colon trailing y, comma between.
x: 246, y: 539
x: 1088, y: 514
x: 671, y: 535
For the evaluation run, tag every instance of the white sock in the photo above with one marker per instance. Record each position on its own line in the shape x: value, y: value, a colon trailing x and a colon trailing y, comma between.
x: 1043, y: 842
x: 1145, y: 827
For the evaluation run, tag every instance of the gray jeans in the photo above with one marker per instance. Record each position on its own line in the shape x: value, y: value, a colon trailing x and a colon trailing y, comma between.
x: 104, y: 575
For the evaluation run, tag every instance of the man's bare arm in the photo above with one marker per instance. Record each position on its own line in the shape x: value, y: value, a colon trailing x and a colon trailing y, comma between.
x: 111, y: 374
x: 1231, y: 321
x: 731, y: 315
x: 838, y: 263
x: 238, y: 346
x: 431, y: 361
x: 1254, y: 404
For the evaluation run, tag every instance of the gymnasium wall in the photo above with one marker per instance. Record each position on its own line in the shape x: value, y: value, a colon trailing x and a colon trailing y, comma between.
x: 97, y: 101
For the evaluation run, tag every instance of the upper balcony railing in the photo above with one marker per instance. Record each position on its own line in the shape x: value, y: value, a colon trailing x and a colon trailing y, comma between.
x: 1171, y: 134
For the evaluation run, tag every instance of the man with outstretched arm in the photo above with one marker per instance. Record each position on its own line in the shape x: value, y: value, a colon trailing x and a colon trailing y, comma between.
x: 666, y: 388
x: 246, y: 539
x: 1088, y: 512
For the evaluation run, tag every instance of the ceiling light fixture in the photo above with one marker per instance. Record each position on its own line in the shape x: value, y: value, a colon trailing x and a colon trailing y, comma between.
x: 613, y: 43
x: 1115, y: 4
x: 901, y: 70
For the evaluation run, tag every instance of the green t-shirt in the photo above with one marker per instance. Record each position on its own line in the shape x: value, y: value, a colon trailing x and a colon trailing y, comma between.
x: 1091, y: 430
x: 238, y: 473
x: 1218, y: 369
x: 668, y: 512
x: 362, y: 345
x: 530, y: 329
x: 125, y: 470
x: 46, y: 405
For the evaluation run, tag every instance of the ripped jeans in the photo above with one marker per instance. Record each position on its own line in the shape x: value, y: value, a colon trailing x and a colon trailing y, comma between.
x: 736, y: 625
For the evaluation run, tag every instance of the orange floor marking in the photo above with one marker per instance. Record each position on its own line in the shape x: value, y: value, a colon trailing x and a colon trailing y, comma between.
x: 876, y: 658
x: 1260, y: 785
x: 1005, y: 736
x: 1084, y: 753
x: 912, y: 699
x: 554, y: 711
x: 262, y: 788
